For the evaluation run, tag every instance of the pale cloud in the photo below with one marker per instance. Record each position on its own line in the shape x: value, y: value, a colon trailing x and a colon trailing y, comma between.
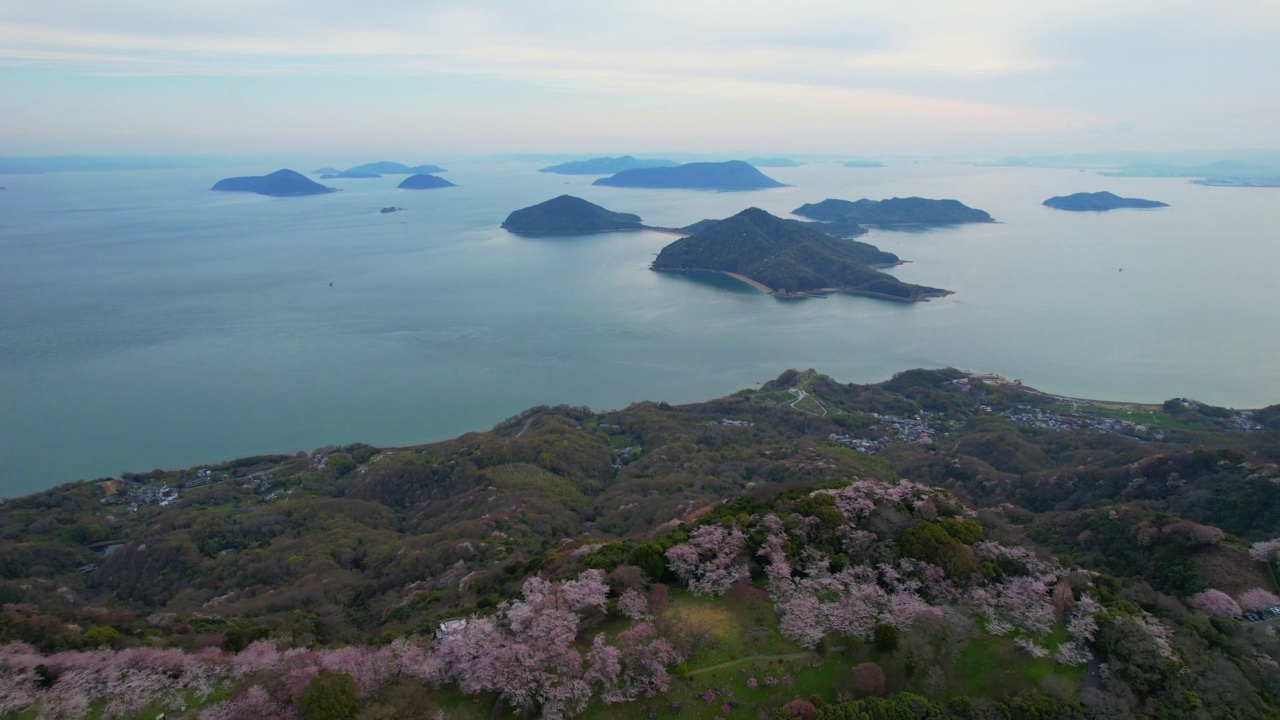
x: 992, y: 65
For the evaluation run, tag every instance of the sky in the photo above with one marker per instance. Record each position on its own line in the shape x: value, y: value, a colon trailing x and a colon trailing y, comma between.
x: 853, y: 77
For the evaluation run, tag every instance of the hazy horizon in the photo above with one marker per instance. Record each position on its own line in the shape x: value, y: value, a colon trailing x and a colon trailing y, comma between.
x: 922, y: 78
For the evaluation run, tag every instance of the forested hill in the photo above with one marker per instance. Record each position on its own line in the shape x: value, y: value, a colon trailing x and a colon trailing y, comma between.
x: 893, y: 211
x: 788, y: 258
x: 728, y: 175
x: 947, y: 545
x: 568, y: 215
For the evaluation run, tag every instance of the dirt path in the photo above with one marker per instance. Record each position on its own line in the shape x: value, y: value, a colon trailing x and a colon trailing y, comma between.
x: 751, y: 658
x: 526, y: 426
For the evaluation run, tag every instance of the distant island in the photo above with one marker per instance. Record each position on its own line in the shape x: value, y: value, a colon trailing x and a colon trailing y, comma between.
x: 864, y: 164
x: 568, y: 215
x: 1098, y: 202
x: 839, y: 228
x: 1257, y: 181
x: 729, y: 175
x: 424, y: 182
x: 281, y: 183
x: 350, y: 174
x: 326, y: 171
x: 391, y: 209
x: 894, y: 211
x: 787, y: 259
x: 605, y: 165
x: 386, y: 167
x: 1220, y: 168
x: 777, y: 162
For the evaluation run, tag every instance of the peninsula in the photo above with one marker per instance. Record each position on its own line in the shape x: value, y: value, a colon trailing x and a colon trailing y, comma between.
x: 281, y: 183
x: 729, y: 175
x: 605, y: 165
x: 894, y: 211
x: 1098, y: 202
x: 349, y: 175
x: 839, y: 228
x: 385, y: 167
x: 774, y: 162
x: 424, y: 182
x: 787, y: 259
x: 568, y: 215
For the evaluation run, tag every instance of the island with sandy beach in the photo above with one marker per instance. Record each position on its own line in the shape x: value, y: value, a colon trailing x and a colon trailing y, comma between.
x: 787, y: 259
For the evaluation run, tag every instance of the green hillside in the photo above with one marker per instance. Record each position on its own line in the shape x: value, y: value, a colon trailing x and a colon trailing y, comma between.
x: 788, y: 258
x: 938, y: 545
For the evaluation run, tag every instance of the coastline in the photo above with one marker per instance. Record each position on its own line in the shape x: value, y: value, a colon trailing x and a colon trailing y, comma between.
x: 820, y: 292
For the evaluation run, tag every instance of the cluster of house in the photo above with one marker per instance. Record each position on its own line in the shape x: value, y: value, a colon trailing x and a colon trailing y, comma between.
x: 1240, y: 421
x: 164, y: 495
x: 1027, y: 416
x: 919, y: 429
x: 733, y: 423
x: 622, y: 456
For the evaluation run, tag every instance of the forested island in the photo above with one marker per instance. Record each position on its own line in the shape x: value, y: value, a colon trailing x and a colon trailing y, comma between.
x: 385, y: 167
x: 894, y: 211
x: 939, y: 546
x: 350, y: 175
x: 605, y: 165
x: 774, y: 162
x: 424, y: 182
x: 568, y: 215
x: 281, y: 183
x: 1098, y: 202
x: 729, y: 175
x: 788, y: 259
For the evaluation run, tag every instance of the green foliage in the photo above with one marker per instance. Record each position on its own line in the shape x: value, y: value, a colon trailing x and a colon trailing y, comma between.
x: 925, y: 541
x: 101, y: 635
x: 785, y: 255
x: 966, y: 531
x: 885, y: 637
x: 330, y: 696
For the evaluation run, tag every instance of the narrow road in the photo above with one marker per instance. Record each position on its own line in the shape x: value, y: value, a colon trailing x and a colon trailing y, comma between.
x: 526, y: 426
x: 804, y: 395
x: 752, y: 658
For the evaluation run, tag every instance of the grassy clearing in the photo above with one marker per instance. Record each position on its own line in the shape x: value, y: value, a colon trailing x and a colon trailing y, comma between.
x: 995, y: 667
x: 810, y: 404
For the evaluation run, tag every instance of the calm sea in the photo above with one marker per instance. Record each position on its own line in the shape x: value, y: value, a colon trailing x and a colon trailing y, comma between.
x: 148, y: 322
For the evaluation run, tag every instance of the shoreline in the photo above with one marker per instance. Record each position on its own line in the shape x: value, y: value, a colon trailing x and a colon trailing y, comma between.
x: 451, y: 435
x: 818, y: 293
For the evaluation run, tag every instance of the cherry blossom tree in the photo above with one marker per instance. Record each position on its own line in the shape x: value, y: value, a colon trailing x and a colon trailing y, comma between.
x: 1215, y: 602
x: 711, y: 561
x: 1258, y: 599
x: 588, y: 591
x: 1266, y: 551
x: 526, y: 652
x: 252, y: 703
x: 633, y: 604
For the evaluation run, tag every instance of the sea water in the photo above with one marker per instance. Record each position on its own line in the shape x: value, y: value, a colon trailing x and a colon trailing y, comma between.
x: 148, y: 322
